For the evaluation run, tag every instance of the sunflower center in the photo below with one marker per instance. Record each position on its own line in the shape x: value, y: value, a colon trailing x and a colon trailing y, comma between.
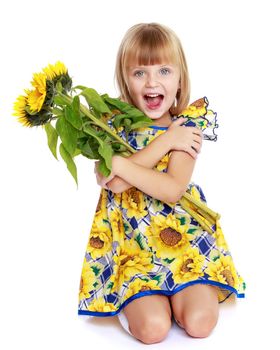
x: 96, y: 242
x: 199, y: 103
x: 119, y: 226
x: 144, y: 288
x: 134, y: 194
x: 127, y: 259
x: 170, y: 237
x: 228, y: 277
x: 185, y: 267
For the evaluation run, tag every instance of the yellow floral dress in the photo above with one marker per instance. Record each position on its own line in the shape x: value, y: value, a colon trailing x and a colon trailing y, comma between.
x: 139, y: 245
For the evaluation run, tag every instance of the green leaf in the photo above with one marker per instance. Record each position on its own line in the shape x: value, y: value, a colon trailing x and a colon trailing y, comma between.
x: 79, y: 87
x: 52, y: 138
x: 110, y: 285
x: 215, y: 258
x: 168, y: 261
x: 57, y: 112
x: 95, y: 284
x: 76, y: 110
x: 124, y: 107
x: 71, y: 166
x: 77, y: 152
x: 73, y: 115
x: 86, y: 149
x: 130, y: 117
x: 58, y: 100
x: 159, y: 278
x: 183, y: 220
x: 96, y: 270
x: 191, y: 231
x: 103, y: 167
x: 104, y: 150
x: 68, y: 135
x: 59, y: 87
x: 140, y: 240
x: 95, y: 101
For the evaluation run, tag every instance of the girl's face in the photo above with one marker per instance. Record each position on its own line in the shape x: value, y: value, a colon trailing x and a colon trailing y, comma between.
x: 153, y: 89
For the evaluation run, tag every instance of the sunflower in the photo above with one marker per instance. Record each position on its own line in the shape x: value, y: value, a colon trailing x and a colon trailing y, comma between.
x: 35, y: 108
x: 162, y: 164
x: 222, y: 270
x: 37, y: 97
x: 130, y: 260
x: 54, y: 70
x: 100, y: 240
x: 117, y: 225
x: 100, y: 305
x: 57, y: 73
x: 139, y: 285
x: 25, y: 116
x: 168, y: 235
x: 188, y: 267
x: 88, y: 281
x: 196, y: 109
x: 133, y: 200
x: 20, y: 109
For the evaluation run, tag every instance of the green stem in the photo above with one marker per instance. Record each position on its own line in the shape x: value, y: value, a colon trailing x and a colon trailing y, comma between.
x: 196, y: 216
x: 68, y: 100
x: 204, y: 211
x: 202, y: 206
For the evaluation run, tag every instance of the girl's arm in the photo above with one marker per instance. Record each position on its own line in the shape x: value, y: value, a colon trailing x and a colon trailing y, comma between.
x: 156, y: 184
x: 175, y: 138
x: 147, y: 157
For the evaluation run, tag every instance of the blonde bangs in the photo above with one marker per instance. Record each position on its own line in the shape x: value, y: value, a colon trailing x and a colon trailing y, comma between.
x: 150, y: 49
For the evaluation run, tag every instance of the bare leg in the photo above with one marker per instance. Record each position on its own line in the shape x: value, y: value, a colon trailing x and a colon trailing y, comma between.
x: 149, y: 318
x: 196, y: 308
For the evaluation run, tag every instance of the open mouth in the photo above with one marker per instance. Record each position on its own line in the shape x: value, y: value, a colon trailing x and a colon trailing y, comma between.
x: 153, y: 101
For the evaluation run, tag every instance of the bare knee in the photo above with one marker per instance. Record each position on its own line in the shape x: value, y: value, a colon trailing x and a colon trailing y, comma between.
x: 200, y: 324
x: 152, y: 330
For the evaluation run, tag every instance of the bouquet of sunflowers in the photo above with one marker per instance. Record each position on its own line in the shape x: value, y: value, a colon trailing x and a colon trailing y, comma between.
x: 83, y: 129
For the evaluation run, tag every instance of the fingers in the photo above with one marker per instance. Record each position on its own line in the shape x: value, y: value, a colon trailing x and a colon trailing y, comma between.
x: 196, y: 149
x: 192, y: 152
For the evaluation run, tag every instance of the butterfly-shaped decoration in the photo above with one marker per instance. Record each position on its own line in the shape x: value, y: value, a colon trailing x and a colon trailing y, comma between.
x: 198, y: 115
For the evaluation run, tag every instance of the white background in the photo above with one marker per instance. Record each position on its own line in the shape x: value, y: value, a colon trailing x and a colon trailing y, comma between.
x: 231, y: 50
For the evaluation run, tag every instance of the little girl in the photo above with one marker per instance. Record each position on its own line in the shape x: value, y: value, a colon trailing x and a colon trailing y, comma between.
x: 147, y: 260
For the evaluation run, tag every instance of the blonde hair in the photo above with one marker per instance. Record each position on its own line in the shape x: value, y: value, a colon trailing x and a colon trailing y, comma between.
x: 148, y: 44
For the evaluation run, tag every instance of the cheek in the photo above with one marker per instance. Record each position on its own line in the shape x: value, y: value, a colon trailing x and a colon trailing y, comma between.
x: 135, y: 90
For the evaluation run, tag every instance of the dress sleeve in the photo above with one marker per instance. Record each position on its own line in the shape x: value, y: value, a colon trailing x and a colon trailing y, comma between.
x: 198, y: 115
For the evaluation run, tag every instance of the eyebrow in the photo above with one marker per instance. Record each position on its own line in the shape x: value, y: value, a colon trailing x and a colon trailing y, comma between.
x: 137, y: 67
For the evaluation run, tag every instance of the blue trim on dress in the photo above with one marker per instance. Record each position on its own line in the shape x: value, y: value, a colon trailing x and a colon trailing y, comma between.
x: 161, y: 292
x: 158, y: 127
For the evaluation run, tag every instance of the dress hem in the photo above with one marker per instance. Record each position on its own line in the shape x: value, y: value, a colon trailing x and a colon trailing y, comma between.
x: 162, y: 292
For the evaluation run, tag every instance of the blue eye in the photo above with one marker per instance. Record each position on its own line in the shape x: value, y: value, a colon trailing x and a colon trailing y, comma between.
x: 137, y: 73
x: 165, y: 70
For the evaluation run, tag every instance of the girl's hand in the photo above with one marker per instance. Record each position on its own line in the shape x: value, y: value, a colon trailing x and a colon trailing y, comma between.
x: 188, y: 139
x: 102, y: 180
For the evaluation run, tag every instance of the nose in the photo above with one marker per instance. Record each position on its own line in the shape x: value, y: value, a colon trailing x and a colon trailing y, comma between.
x: 151, y: 80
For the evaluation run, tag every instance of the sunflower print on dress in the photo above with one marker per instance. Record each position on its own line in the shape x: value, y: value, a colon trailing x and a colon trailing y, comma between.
x: 139, y: 245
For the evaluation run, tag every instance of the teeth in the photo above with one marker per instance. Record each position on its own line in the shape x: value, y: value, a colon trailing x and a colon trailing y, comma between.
x: 152, y: 95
